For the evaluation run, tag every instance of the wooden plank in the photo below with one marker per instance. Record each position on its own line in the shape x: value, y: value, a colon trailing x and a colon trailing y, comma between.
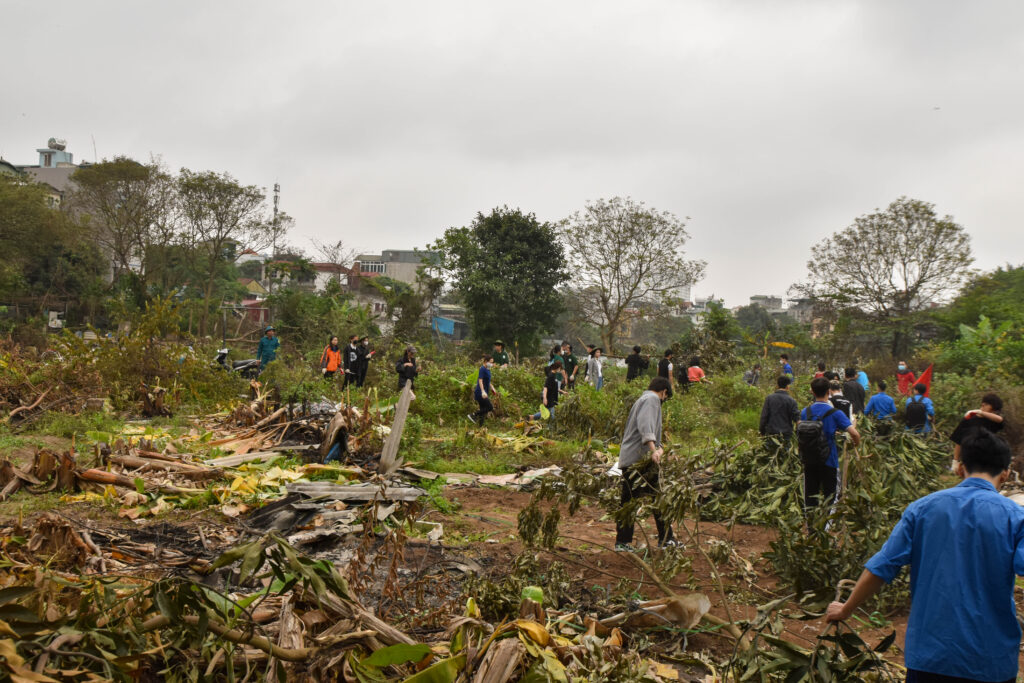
x: 236, y: 460
x: 325, y: 490
x: 389, y: 460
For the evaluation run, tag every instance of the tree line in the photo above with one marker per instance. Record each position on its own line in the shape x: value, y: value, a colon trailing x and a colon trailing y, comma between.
x: 128, y: 232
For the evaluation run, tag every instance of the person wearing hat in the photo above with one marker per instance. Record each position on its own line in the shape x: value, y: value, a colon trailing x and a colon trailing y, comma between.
x: 406, y: 368
x: 266, y: 350
x: 363, y: 362
x: 499, y: 354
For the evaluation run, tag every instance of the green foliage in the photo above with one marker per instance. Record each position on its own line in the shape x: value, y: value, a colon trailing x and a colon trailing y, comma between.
x: 307, y: 320
x: 506, y: 266
x: 998, y: 296
x: 45, y: 254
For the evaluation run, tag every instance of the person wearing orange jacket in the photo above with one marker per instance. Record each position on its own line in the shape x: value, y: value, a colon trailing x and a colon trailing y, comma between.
x: 330, y: 360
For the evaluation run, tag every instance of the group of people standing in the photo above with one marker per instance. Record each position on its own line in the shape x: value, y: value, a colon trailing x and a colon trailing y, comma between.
x: 353, y: 360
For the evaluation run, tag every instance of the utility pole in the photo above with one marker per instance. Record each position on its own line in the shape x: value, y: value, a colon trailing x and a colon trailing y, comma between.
x: 273, y: 232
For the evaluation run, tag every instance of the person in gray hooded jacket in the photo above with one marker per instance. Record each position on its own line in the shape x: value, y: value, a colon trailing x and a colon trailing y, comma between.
x: 639, y: 456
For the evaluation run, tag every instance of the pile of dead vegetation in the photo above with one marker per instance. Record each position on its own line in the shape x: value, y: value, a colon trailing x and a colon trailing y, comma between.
x: 137, y: 371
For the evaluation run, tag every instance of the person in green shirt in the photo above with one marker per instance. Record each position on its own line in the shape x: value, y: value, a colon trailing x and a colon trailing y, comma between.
x: 266, y: 350
x: 500, y: 354
x: 570, y: 363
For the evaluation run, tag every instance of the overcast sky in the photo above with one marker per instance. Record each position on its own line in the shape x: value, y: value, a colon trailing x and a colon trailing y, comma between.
x: 770, y: 124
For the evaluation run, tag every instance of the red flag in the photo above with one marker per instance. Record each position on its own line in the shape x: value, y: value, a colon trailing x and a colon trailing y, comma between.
x: 926, y: 379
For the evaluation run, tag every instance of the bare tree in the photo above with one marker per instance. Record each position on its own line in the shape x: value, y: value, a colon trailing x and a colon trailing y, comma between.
x: 336, y: 253
x: 220, y: 214
x: 891, y: 265
x: 625, y: 260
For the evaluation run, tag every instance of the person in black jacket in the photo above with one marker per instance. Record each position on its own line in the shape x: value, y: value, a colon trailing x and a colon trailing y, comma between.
x: 350, y: 360
x: 635, y: 364
x: 853, y: 391
x: 363, y: 361
x: 778, y: 415
x: 406, y: 368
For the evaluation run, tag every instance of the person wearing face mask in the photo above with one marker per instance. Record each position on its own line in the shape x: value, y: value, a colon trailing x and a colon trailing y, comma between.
x: 639, y: 457
x: 483, y: 390
x: 905, y: 379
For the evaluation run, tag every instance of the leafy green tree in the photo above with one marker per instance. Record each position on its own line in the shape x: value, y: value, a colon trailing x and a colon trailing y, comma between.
x: 47, y: 260
x: 129, y: 209
x: 756, y: 320
x: 408, y: 305
x: 219, y: 214
x: 507, y: 267
x: 892, y: 264
x: 626, y: 261
x: 998, y: 295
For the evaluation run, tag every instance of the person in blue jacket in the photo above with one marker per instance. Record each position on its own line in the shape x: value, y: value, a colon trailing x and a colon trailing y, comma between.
x: 483, y: 390
x: 787, y: 369
x: 920, y: 416
x: 965, y: 548
x: 862, y: 379
x: 881, y: 406
x: 266, y: 350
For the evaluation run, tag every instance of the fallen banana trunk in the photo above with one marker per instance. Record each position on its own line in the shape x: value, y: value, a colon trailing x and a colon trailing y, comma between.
x: 145, y: 464
x: 103, y: 477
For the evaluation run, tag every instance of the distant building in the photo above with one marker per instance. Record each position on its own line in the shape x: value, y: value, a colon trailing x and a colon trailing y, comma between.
x: 397, y: 264
x: 771, y: 303
x: 327, y: 272
x: 55, y: 168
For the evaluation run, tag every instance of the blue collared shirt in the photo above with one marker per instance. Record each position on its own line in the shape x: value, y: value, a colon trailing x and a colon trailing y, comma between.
x: 964, y: 546
x: 881, y: 406
x: 836, y: 422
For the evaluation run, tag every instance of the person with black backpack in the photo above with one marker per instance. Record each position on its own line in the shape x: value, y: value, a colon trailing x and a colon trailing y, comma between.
x: 816, y: 443
x: 919, y: 411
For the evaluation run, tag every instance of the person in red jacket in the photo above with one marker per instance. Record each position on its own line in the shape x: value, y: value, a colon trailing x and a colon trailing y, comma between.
x: 905, y: 377
x: 330, y: 359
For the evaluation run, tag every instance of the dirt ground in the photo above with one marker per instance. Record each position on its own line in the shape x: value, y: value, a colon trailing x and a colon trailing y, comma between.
x: 488, y: 516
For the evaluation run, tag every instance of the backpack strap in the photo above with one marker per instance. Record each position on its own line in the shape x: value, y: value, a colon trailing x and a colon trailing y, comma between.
x: 810, y: 415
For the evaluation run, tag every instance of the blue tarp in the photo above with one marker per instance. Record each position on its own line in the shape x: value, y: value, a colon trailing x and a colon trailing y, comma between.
x: 444, y: 326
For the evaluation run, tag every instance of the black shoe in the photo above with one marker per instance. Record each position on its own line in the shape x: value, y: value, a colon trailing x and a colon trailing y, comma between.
x: 670, y: 543
x: 471, y: 418
x: 625, y: 548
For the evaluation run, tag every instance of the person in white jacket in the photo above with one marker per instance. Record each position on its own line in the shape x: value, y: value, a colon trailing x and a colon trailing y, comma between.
x: 595, y: 374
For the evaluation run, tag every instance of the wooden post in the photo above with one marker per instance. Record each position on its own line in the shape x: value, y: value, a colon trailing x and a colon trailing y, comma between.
x: 389, y: 460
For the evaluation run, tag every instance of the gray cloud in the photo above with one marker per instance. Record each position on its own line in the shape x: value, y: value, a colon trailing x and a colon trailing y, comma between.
x: 770, y: 124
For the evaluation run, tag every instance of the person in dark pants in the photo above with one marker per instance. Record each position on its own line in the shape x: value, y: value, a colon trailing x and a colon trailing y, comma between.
x: 965, y: 548
x: 635, y: 364
x: 406, y: 368
x: 822, y: 481
x: 853, y: 391
x: 363, y: 362
x: 639, y: 456
x: 778, y: 415
x: 482, y: 390
x: 350, y: 358
x: 552, y: 388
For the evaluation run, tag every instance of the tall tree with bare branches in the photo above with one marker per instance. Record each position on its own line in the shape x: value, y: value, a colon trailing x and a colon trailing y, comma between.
x: 891, y: 265
x: 626, y: 261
